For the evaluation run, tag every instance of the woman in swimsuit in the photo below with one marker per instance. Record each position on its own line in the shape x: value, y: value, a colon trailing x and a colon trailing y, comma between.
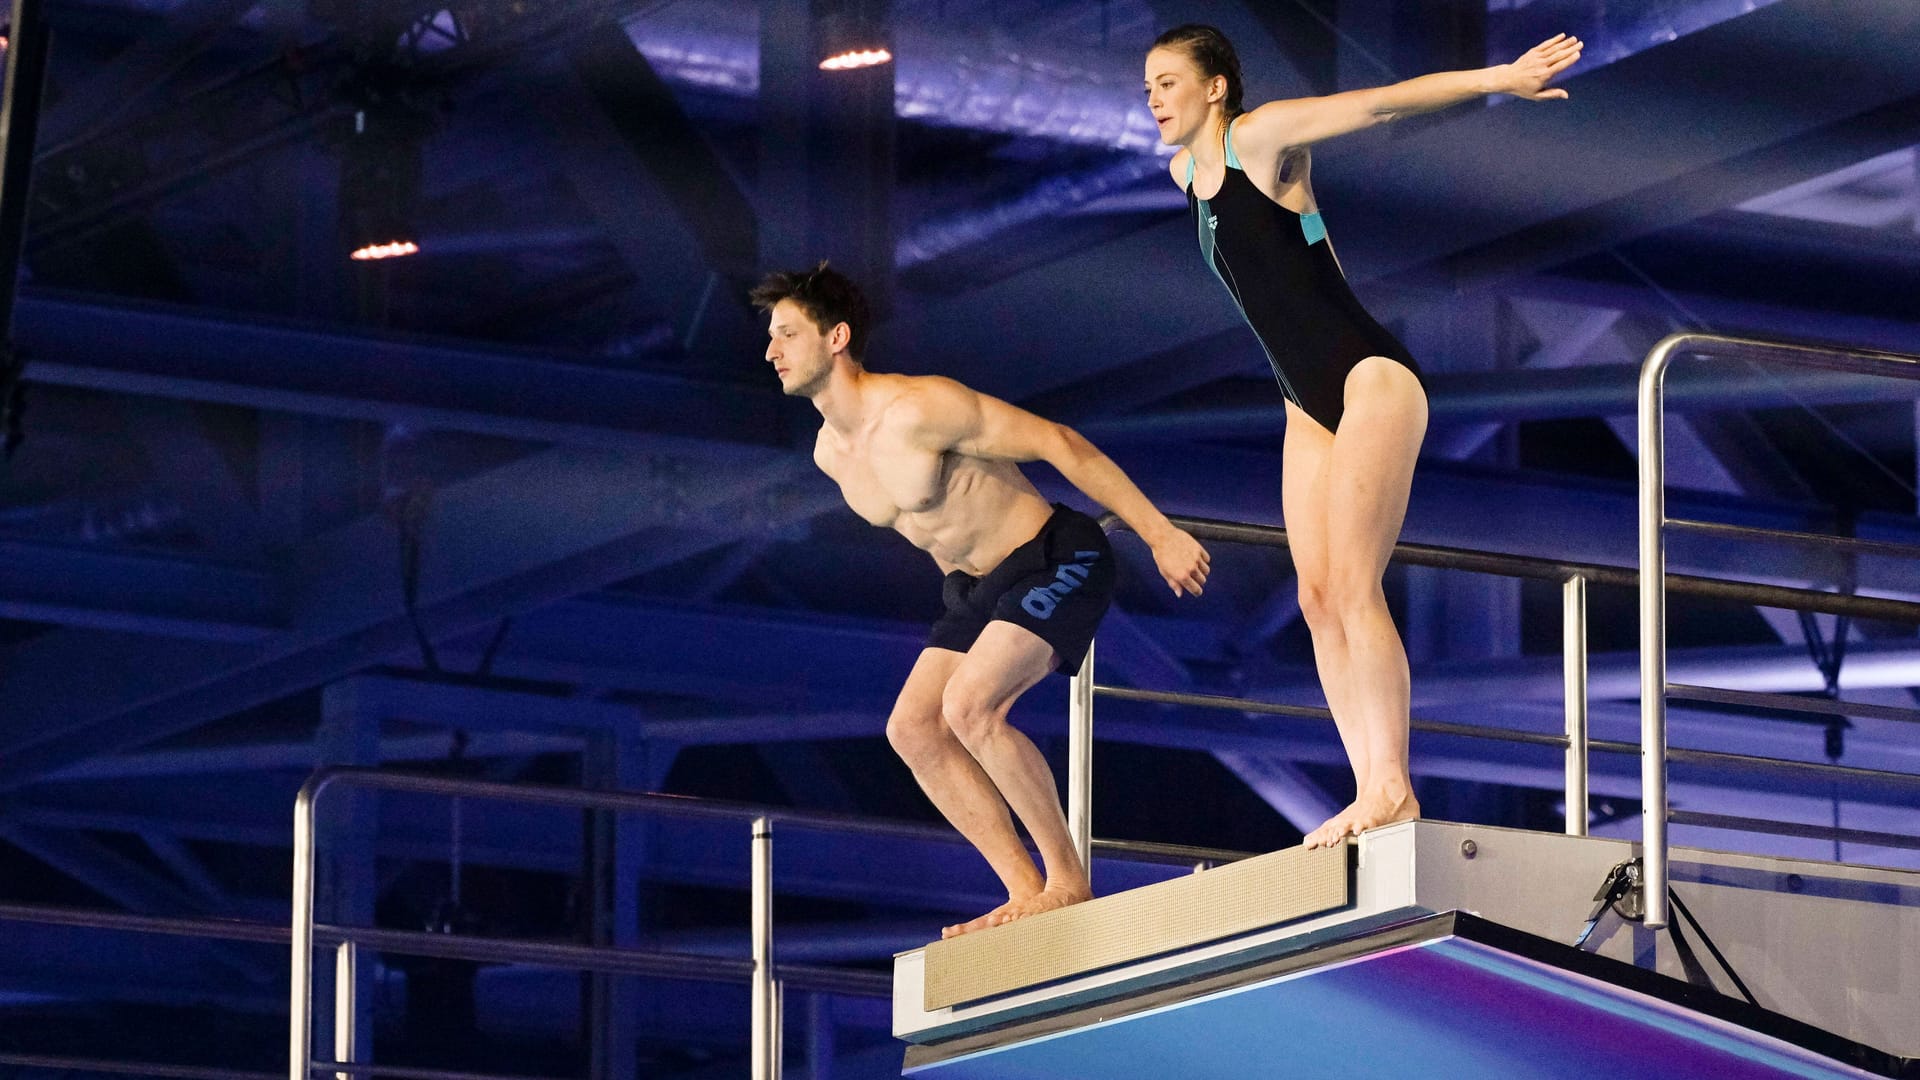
x: 1356, y: 406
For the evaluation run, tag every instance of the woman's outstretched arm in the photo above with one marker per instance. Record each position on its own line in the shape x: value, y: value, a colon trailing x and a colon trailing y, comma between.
x: 1305, y: 121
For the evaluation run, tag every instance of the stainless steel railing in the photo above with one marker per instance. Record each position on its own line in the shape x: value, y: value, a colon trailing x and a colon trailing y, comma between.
x: 767, y: 980
x: 1654, y: 584
x: 65, y: 1064
x: 1574, y: 742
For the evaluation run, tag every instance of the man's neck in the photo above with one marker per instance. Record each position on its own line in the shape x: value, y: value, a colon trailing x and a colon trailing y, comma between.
x: 842, y: 403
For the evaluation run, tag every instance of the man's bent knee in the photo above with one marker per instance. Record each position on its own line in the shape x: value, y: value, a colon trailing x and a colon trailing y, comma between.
x: 972, y: 717
x: 915, y: 735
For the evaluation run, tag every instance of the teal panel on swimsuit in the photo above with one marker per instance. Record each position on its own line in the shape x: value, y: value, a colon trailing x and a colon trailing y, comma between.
x: 1314, y: 229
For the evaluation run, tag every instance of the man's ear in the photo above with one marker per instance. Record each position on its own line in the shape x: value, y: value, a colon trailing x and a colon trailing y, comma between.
x: 839, y: 337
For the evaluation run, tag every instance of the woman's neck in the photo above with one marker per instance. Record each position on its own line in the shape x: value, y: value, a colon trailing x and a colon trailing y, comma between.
x: 1210, y: 147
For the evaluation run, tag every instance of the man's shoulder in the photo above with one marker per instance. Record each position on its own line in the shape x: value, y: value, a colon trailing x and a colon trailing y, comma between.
x: 914, y: 399
x: 920, y: 386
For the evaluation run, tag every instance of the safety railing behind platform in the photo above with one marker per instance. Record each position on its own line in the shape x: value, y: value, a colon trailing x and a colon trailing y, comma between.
x: 1575, y: 742
x: 1655, y: 584
x: 1573, y: 579
x: 768, y: 980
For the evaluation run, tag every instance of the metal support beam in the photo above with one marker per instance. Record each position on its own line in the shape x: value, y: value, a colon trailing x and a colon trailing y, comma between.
x: 227, y: 758
x: 100, y: 869
x: 1703, y: 153
x: 188, y: 463
x: 391, y: 379
x: 569, y: 538
x: 134, y: 887
x: 827, y: 150
x: 192, y: 873
x: 1274, y: 777
x: 140, y: 592
x: 91, y: 107
x: 641, y: 109
x: 617, y: 850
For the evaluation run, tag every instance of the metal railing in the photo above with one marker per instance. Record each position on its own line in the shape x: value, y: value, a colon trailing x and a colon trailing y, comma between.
x: 1573, y: 579
x: 768, y: 980
x: 1654, y: 584
x: 1575, y: 742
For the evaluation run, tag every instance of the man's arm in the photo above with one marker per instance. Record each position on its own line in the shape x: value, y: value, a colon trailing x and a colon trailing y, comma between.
x: 942, y: 415
x: 1305, y: 121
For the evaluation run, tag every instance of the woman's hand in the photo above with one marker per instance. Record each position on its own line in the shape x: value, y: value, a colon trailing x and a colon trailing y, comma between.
x: 1528, y: 76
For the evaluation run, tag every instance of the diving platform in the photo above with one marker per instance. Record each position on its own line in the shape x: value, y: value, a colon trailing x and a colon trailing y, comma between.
x: 1431, y: 948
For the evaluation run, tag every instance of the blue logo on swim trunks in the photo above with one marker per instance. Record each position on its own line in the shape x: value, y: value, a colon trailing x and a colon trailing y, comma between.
x: 1040, y: 601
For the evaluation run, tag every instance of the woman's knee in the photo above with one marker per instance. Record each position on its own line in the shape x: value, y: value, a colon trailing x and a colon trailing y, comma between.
x: 1354, y: 601
x: 1316, y: 604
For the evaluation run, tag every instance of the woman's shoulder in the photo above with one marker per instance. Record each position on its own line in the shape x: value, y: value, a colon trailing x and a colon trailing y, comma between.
x: 1177, y: 167
x: 1260, y: 130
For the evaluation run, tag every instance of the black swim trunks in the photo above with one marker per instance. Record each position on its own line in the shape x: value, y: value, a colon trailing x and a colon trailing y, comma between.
x: 1057, y: 585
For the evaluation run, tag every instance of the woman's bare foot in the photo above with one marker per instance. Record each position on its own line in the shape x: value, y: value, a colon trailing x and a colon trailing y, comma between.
x: 1373, y: 809
x: 1333, y: 830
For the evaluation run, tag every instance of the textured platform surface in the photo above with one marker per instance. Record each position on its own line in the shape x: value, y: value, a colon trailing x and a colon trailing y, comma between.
x: 1221, y: 902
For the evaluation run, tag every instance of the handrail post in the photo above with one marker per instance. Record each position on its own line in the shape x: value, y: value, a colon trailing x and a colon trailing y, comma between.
x: 779, y: 1028
x: 1573, y: 600
x: 300, y: 1011
x: 1653, y: 630
x: 1080, y: 763
x: 346, y: 1005
x: 766, y: 1012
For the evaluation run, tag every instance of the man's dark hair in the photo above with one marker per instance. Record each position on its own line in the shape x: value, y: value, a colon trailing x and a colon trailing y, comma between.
x: 828, y: 296
x: 1211, y: 53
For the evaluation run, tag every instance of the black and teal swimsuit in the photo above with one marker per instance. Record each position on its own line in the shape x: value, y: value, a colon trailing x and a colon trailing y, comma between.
x: 1279, y: 267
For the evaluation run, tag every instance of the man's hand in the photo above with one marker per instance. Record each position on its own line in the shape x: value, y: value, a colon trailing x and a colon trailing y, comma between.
x: 1528, y: 76
x: 1182, y: 561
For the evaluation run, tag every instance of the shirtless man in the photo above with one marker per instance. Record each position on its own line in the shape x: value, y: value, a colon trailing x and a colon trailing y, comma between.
x: 1027, y: 582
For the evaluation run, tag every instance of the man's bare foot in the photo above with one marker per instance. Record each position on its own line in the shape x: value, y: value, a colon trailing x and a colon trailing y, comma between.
x: 1373, y: 809
x: 1020, y: 888
x: 1048, y: 899
x: 981, y: 923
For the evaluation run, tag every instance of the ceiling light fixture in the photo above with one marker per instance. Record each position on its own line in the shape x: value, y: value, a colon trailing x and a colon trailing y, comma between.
x: 392, y: 250
x: 380, y: 172
x: 850, y: 40
x: 847, y: 61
